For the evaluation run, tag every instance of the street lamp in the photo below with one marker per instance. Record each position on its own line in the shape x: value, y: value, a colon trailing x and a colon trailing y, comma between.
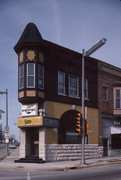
x: 87, y: 53
x: 6, y: 127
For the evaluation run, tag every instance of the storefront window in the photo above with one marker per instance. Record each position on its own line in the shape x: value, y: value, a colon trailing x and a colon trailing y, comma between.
x: 71, y: 138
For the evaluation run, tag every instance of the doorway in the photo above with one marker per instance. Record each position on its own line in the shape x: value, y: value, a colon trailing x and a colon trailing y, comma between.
x: 32, y: 142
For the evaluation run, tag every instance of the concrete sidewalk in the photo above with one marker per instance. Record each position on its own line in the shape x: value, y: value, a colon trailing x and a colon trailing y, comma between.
x: 8, y: 163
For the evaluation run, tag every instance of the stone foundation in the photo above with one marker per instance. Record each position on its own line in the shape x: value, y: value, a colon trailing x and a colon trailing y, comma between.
x: 66, y: 152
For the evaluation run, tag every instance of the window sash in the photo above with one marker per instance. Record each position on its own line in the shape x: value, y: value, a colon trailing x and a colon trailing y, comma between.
x: 73, y: 85
x: 30, y: 75
x: 40, y: 77
x: 118, y: 98
x: 61, y: 82
x: 21, y: 76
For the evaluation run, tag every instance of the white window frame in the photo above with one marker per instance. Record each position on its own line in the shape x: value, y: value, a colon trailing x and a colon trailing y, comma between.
x: 61, y: 83
x: 41, y: 78
x: 31, y: 76
x: 21, y: 76
x: 115, y: 98
x: 70, y: 86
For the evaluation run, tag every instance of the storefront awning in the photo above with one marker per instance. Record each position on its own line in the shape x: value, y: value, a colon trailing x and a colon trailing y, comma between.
x: 115, y: 130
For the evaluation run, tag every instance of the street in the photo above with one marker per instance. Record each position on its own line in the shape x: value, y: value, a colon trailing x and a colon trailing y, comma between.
x: 112, y: 172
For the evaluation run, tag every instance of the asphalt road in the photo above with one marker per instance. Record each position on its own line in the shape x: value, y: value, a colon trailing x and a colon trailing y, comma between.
x: 112, y: 172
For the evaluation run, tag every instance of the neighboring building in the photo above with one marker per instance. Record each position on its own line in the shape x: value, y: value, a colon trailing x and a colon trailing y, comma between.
x: 109, y: 85
x: 49, y: 89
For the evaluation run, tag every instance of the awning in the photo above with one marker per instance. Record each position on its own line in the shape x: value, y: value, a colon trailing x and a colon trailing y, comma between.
x: 115, y: 130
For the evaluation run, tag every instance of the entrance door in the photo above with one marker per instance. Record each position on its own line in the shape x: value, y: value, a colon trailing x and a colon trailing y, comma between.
x: 35, y: 142
x: 32, y: 142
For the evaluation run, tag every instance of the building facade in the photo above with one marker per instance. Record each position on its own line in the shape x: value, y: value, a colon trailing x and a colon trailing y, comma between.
x: 109, y: 78
x: 49, y: 90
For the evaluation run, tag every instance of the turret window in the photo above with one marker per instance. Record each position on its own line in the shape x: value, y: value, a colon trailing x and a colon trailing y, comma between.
x: 21, y: 76
x: 40, y: 77
x: 30, y: 75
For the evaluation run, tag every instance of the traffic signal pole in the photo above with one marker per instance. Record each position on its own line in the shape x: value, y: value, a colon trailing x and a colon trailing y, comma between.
x: 87, y: 53
x: 83, y: 110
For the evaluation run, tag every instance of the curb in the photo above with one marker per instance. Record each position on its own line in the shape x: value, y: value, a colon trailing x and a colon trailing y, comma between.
x: 93, y: 165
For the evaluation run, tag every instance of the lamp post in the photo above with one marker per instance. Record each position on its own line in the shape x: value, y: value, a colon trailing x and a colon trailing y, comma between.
x: 87, y: 53
x: 6, y: 127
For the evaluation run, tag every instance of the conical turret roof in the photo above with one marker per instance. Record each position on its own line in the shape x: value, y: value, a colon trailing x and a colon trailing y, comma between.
x: 30, y: 34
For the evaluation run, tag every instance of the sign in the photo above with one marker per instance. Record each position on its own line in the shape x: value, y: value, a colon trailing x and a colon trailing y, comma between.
x: 30, y: 121
x: 29, y: 110
x: 6, y: 137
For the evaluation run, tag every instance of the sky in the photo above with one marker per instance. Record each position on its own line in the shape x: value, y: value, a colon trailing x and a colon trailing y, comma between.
x: 74, y: 24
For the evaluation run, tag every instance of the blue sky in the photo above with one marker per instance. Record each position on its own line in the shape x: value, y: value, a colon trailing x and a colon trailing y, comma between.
x: 75, y: 24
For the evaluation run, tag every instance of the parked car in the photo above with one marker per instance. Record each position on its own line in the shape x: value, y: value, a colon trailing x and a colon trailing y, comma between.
x: 12, y: 146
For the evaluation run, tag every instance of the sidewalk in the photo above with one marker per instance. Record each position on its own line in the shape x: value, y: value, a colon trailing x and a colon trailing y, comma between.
x: 8, y: 163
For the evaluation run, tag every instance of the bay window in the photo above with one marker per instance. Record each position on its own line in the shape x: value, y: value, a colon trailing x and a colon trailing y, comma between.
x: 30, y: 75
x: 40, y: 77
x: 21, y: 76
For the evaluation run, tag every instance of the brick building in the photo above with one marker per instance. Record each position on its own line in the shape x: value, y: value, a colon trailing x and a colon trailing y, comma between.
x: 109, y: 78
x: 49, y: 89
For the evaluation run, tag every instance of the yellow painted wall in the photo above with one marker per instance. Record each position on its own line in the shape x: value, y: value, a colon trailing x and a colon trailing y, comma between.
x: 51, y: 136
x: 92, y: 118
x: 56, y: 110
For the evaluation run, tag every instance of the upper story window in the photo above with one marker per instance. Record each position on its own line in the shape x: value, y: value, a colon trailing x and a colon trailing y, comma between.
x: 30, y: 75
x: 73, y: 85
x: 40, y: 77
x: 117, y: 98
x: 61, y: 82
x: 86, y: 88
x: 105, y: 93
x: 21, y: 76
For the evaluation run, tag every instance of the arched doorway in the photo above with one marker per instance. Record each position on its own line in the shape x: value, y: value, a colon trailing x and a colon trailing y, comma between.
x: 66, y: 131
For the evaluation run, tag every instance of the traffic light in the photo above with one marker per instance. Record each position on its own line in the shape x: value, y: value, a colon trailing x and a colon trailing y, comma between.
x: 78, y: 123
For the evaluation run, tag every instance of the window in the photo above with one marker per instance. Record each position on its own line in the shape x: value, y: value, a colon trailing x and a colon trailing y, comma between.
x: 30, y: 75
x: 105, y: 93
x: 61, y: 82
x: 73, y: 85
x: 40, y: 77
x: 21, y: 76
x: 86, y: 88
x: 117, y: 97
